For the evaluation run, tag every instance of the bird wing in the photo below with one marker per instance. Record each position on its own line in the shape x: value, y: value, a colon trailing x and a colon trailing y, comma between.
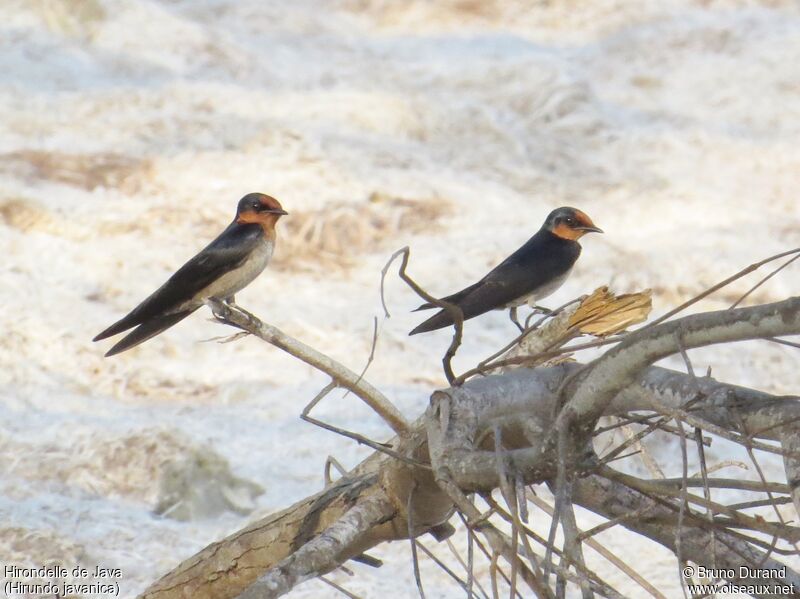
x: 225, y: 253
x: 534, y: 264
x: 498, y: 288
x: 452, y: 299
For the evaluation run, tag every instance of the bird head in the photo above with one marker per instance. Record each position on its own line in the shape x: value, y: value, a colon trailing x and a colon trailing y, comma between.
x: 570, y: 223
x: 260, y: 209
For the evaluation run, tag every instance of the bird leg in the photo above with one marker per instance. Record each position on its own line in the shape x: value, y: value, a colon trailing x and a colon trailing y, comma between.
x: 542, y: 309
x: 512, y: 314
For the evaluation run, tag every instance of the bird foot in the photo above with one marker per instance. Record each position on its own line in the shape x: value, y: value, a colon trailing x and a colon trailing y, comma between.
x: 221, y: 309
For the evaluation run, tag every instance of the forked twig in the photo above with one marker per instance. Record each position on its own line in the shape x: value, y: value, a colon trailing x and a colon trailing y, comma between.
x: 745, y: 271
x: 454, y: 311
x: 764, y: 280
x: 305, y: 415
x: 380, y: 404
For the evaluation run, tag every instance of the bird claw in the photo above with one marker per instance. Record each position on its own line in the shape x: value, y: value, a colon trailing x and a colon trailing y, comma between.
x: 221, y: 309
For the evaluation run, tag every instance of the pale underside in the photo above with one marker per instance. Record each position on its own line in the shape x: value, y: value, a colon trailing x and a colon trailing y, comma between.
x: 237, y: 279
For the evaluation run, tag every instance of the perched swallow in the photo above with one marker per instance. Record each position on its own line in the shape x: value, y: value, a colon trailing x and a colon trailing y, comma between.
x: 531, y: 273
x: 225, y: 266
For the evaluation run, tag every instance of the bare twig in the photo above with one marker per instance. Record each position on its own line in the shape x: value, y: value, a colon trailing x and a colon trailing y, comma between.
x: 454, y: 311
x: 601, y: 586
x: 468, y: 567
x: 486, y: 362
x: 414, y: 556
x: 339, y: 588
x: 345, y: 377
x: 372, y: 348
x: 361, y: 439
x: 653, y: 489
x: 442, y: 565
x: 764, y: 280
x: 681, y: 510
x: 330, y: 462
x: 745, y: 271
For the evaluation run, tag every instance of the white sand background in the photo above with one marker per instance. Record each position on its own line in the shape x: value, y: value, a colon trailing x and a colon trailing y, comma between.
x: 130, y: 129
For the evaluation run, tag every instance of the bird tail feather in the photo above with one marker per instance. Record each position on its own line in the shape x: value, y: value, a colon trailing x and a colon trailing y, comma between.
x: 439, y: 320
x: 147, y: 330
x: 121, y: 325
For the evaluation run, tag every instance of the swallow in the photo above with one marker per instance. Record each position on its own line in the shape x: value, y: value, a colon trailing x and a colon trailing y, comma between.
x: 224, y: 267
x: 533, y: 272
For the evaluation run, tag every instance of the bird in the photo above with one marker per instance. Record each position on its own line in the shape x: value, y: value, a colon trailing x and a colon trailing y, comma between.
x: 221, y: 269
x: 534, y: 271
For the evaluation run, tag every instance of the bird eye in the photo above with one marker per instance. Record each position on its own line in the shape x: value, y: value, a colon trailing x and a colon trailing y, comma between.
x: 570, y: 221
x: 256, y: 205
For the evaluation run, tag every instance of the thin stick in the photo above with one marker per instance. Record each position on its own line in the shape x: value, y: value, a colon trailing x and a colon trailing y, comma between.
x: 371, y: 357
x: 453, y: 310
x: 339, y: 588
x: 471, y: 559
x: 587, y: 534
x: 503, y: 477
x: 591, y: 576
x: 748, y: 505
x: 414, y: 556
x: 745, y: 271
x: 442, y: 565
x: 493, y: 568
x: 764, y: 280
x: 722, y: 432
x: 726, y: 483
x: 345, y: 377
x: 304, y: 415
x: 467, y: 568
x: 782, y: 342
x: 483, y: 548
x: 528, y: 331
x: 653, y: 490
x: 698, y: 438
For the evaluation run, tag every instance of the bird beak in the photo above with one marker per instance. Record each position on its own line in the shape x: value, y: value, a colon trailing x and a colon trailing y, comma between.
x: 591, y: 229
x: 276, y: 211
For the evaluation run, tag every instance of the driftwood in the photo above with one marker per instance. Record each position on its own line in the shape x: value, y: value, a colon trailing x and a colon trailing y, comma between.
x: 525, y: 427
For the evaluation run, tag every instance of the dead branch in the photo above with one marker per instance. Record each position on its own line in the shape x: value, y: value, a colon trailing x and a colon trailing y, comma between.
x: 594, y: 389
x: 455, y: 449
x: 345, y: 377
x: 453, y: 310
x: 324, y: 552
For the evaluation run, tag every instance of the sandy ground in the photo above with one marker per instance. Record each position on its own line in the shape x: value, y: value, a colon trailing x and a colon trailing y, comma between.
x: 131, y: 128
